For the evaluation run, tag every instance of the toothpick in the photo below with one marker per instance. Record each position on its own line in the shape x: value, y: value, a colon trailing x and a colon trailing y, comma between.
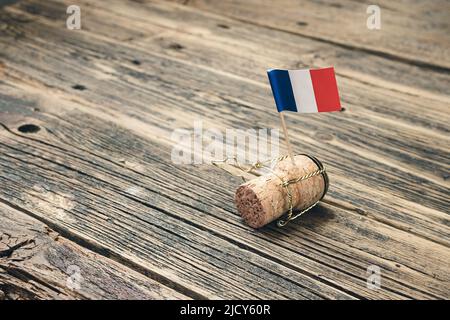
x: 286, y: 137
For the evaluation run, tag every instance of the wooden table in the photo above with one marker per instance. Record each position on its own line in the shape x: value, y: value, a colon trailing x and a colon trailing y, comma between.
x: 91, y: 205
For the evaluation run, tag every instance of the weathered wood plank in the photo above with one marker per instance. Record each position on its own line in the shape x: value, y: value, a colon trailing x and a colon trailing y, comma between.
x: 164, y: 21
x: 373, y: 245
x: 149, y: 236
x: 36, y: 262
x: 303, y: 128
x: 375, y: 106
x: 414, y: 32
x: 204, y: 206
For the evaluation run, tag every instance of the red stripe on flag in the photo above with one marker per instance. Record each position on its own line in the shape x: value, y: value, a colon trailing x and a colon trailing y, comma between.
x: 325, y: 90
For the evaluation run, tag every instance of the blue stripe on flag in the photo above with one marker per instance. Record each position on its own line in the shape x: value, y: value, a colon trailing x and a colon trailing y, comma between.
x: 282, y: 90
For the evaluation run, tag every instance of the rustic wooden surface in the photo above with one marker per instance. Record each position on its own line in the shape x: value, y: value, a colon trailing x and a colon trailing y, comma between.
x: 85, y: 171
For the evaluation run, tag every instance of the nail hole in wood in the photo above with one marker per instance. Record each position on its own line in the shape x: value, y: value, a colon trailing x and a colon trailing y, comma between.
x: 33, y: 9
x: 223, y: 26
x: 136, y: 62
x: 176, y: 46
x: 342, y: 109
x: 29, y: 128
x: 302, y: 23
x: 79, y: 87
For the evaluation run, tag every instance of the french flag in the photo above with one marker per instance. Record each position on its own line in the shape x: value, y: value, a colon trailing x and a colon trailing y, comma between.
x: 305, y: 90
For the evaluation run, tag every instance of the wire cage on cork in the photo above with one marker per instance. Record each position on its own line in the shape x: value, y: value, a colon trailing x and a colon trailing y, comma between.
x: 290, y: 188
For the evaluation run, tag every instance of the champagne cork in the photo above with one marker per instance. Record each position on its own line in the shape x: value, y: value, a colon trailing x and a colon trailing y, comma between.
x: 265, y: 199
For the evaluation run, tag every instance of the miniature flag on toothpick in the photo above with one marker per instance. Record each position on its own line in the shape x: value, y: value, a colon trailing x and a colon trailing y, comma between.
x: 305, y: 91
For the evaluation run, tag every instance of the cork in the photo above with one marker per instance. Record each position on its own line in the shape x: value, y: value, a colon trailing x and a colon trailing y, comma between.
x: 264, y: 199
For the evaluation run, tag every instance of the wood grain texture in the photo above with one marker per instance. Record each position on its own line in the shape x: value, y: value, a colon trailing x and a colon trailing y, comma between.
x: 400, y: 148
x: 99, y: 169
x: 196, y: 205
x: 36, y: 262
x: 411, y: 31
x: 135, y: 221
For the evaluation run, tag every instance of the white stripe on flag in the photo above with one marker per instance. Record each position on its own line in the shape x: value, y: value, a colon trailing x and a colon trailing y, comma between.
x: 303, y: 90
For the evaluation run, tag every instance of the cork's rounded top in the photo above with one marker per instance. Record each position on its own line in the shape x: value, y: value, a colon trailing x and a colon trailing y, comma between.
x: 249, y: 206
